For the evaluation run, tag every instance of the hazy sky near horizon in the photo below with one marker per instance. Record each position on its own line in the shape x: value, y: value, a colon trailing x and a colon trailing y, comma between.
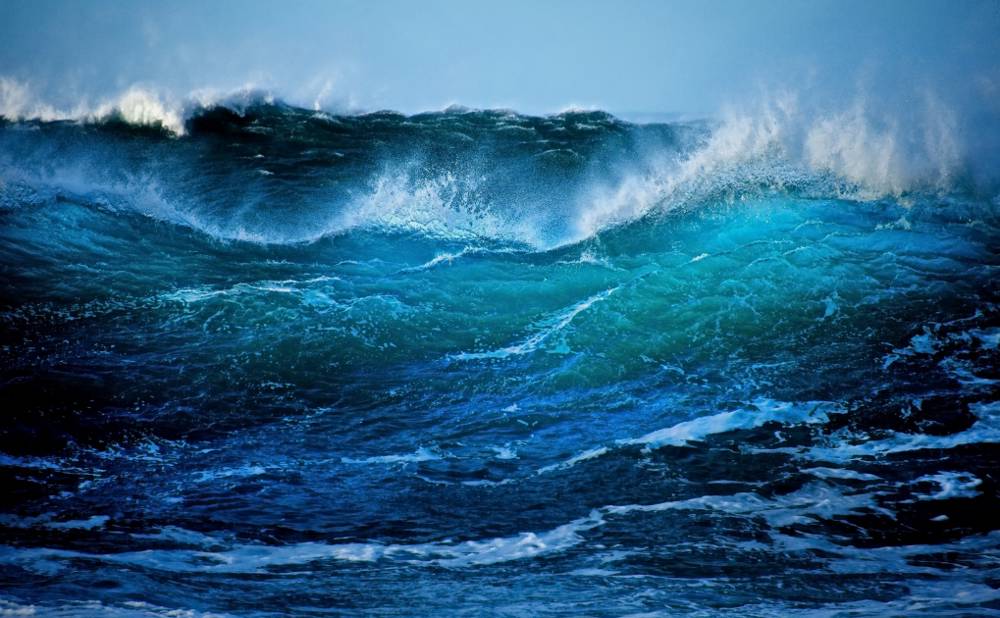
x: 542, y: 56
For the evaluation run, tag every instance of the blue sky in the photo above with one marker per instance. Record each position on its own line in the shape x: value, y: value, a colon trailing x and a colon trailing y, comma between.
x: 541, y: 56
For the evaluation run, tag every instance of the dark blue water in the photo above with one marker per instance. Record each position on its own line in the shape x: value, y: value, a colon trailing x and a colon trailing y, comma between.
x: 478, y: 363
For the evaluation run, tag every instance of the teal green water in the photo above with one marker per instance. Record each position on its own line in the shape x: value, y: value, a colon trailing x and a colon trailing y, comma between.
x: 475, y: 362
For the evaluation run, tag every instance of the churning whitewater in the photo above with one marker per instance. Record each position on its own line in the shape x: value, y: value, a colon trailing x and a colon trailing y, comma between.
x: 258, y: 359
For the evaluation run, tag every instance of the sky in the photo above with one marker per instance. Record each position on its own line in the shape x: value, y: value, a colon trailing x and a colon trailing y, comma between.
x: 541, y: 56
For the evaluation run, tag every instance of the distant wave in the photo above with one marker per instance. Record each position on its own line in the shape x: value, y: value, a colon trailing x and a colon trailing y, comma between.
x: 135, y: 106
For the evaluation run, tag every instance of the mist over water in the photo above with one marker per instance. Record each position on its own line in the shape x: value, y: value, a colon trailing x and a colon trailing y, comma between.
x: 262, y: 354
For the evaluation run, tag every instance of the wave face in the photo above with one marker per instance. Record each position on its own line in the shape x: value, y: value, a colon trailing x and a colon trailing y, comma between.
x: 263, y: 360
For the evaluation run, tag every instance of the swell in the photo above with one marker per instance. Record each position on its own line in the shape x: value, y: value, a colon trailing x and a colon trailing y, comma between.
x: 249, y: 167
x: 429, y: 404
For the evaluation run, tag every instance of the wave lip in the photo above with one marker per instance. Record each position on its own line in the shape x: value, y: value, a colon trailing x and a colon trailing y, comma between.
x: 766, y: 411
x: 686, y: 433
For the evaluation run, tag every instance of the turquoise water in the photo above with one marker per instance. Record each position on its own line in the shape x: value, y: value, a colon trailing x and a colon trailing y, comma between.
x: 476, y: 363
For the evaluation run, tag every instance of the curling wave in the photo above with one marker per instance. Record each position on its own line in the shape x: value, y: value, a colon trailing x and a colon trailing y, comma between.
x: 297, y: 360
x: 298, y: 175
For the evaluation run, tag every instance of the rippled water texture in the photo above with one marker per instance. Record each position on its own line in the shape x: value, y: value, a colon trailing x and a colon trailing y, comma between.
x: 471, y: 363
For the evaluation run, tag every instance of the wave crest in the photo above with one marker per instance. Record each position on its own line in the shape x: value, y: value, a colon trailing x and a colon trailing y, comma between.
x: 135, y: 106
x: 853, y: 153
x: 463, y: 174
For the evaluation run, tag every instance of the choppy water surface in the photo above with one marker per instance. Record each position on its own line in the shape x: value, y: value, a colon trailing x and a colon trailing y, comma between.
x: 470, y: 363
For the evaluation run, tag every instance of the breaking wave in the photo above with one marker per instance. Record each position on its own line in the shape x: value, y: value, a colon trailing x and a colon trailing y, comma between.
x: 258, y: 359
x: 539, y: 181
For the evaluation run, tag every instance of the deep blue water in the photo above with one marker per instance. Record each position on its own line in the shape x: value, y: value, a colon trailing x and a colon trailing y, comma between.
x: 478, y: 363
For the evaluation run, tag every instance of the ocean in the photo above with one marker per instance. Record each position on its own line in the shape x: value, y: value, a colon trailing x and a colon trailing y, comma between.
x: 259, y: 360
